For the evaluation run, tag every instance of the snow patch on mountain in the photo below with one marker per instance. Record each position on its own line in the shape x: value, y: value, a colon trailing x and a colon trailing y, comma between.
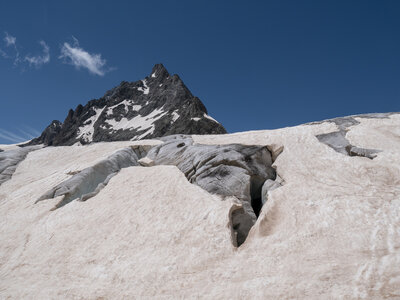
x: 204, y: 116
x: 86, y: 132
x: 210, y: 118
x: 127, y: 103
x: 139, y: 122
x: 143, y: 135
x: 144, y: 89
x: 175, y: 115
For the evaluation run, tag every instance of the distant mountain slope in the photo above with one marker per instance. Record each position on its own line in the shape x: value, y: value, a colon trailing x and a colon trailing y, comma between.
x: 156, y: 106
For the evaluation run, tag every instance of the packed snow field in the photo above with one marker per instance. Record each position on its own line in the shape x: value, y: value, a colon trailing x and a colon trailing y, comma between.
x: 330, y: 230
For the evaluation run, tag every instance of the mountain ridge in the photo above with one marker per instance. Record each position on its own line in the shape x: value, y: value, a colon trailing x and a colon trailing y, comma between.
x: 156, y: 106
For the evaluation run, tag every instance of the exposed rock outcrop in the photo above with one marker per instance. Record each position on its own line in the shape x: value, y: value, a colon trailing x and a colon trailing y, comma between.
x: 49, y: 134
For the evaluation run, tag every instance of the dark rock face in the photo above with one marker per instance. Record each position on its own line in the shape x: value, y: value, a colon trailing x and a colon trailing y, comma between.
x: 156, y: 106
x: 48, y: 134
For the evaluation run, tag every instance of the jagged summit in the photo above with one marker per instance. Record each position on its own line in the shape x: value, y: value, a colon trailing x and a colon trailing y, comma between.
x: 49, y: 133
x: 160, y: 71
x: 156, y: 106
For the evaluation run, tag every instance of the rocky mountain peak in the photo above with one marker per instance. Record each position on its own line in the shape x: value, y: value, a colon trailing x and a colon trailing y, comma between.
x: 156, y: 106
x: 159, y: 71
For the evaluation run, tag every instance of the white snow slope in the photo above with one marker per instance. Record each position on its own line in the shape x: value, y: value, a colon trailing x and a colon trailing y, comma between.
x: 332, y: 231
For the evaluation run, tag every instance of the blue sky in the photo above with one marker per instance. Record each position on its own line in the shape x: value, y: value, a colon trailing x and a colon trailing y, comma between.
x: 254, y: 64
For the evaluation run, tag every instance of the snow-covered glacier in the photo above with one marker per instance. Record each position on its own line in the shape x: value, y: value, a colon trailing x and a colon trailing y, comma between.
x: 311, y: 212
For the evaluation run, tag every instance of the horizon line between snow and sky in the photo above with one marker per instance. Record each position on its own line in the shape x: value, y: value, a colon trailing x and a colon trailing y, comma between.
x: 255, y: 65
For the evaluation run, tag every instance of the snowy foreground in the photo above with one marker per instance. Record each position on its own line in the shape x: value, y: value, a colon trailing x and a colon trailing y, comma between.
x: 332, y: 230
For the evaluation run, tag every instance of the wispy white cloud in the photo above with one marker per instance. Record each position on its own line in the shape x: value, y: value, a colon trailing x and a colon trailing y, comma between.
x: 3, y: 54
x: 24, y: 134
x: 11, y: 41
x: 27, y: 134
x: 78, y: 57
x: 12, y: 137
x: 71, y: 53
x: 39, y: 60
x: 31, y: 131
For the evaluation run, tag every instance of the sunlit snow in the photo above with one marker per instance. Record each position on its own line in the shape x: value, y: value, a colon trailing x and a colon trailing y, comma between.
x: 146, y: 89
x: 175, y: 116
x: 127, y: 103
x: 208, y: 117
x: 139, y: 122
x: 87, y: 130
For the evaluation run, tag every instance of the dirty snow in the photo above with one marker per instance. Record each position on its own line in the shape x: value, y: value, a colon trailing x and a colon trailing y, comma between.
x: 330, y: 232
